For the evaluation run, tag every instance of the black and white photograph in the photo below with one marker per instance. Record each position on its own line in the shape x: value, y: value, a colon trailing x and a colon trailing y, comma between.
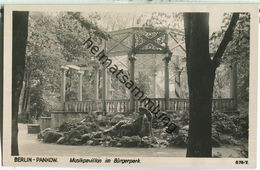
x: 112, y: 84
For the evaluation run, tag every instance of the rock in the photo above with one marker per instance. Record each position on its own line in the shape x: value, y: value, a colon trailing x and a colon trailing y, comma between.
x: 163, y: 135
x: 51, y: 137
x: 133, y: 141
x: 140, y: 126
x: 145, y: 142
x: 75, y: 141
x: 74, y: 133
x: 81, y: 128
x: 97, y: 134
x: 145, y: 127
x: 97, y: 141
x: 114, y: 142
x: 180, y: 140
x: 145, y: 138
x: 90, y: 142
x: 43, y: 132
x: 217, y: 155
x: 163, y: 143
x: 185, y: 128
x: 127, y: 130
x: 117, y: 118
x: 65, y: 127
x: 115, y: 130
x: 61, y: 140
x: 99, y: 117
x: 119, y: 144
x: 106, y: 143
x: 107, y: 138
x: 85, y: 137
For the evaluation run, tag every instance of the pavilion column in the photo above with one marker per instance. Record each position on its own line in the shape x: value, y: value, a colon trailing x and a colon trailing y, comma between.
x: 166, y: 79
x: 154, y: 89
x: 96, y: 89
x: 233, y: 83
x: 108, y: 85
x: 132, y: 77
x: 177, y: 79
x: 104, y: 88
x: 64, y: 70
x: 80, y: 74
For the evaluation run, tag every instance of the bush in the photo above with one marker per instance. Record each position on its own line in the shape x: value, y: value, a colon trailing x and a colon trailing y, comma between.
x: 223, y: 123
x: 243, y: 151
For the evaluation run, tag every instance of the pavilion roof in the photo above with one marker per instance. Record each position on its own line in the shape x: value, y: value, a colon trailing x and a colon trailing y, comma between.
x: 148, y: 45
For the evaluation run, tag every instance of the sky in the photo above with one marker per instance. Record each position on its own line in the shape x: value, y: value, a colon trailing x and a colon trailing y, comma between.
x: 215, y: 20
x: 126, y: 20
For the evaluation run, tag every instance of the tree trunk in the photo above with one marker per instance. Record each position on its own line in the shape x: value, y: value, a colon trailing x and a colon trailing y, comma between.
x: 21, y: 99
x: 20, y: 30
x: 201, y: 72
x: 200, y: 82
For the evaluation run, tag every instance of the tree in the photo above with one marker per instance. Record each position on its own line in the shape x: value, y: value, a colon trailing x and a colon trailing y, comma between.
x: 20, y: 30
x: 236, y: 52
x: 53, y: 39
x: 43, y: 56
x: 201, y: 75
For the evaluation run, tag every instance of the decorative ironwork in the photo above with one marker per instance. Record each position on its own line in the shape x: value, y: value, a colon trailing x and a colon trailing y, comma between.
x: 150, y: 41
x: 139, y: 40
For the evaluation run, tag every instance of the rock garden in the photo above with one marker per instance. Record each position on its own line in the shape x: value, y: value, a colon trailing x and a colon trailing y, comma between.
x: 132, y: 130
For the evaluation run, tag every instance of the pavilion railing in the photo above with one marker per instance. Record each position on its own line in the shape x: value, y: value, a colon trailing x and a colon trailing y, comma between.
x: 80, y: 106
x: 118, y: 105
x: 224, y: 105
x: 122, y: 105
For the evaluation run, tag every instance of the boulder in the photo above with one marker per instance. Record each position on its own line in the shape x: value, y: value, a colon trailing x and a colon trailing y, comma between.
x: 65, y: 127
x: 133, y: 141
x: 185, y: 128
x: 145, y: 127
x: 146, y: 142
x: 61, y: 140
x: 43, y: 132
x: 85, y: 137
x: 97, y: 141
x: 97, y: 134
x: 217, y: 155
x: 74, y: 133
x: 90, y: 142
x: 114, y: 142
x: 51, y: 137
x: 82, y: 128
x: 75, y: 141
x: 163, y: 143
x: 119, y: 144
x: 106, y: 143
x: 117, y: 118
x: 180, y: 139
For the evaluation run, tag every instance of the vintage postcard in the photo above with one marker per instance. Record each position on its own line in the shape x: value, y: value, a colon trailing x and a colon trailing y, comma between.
x: 130, y: 85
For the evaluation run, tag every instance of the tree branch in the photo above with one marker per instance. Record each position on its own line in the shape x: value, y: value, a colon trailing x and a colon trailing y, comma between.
x: 88, y: 25
x: 226, y: 39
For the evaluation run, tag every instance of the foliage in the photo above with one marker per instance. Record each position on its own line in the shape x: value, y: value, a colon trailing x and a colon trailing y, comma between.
x: 237, y: 51
x: 227, y: 129
x: 54, y: 39
x: 162, y: 20
x: 143, y: 81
